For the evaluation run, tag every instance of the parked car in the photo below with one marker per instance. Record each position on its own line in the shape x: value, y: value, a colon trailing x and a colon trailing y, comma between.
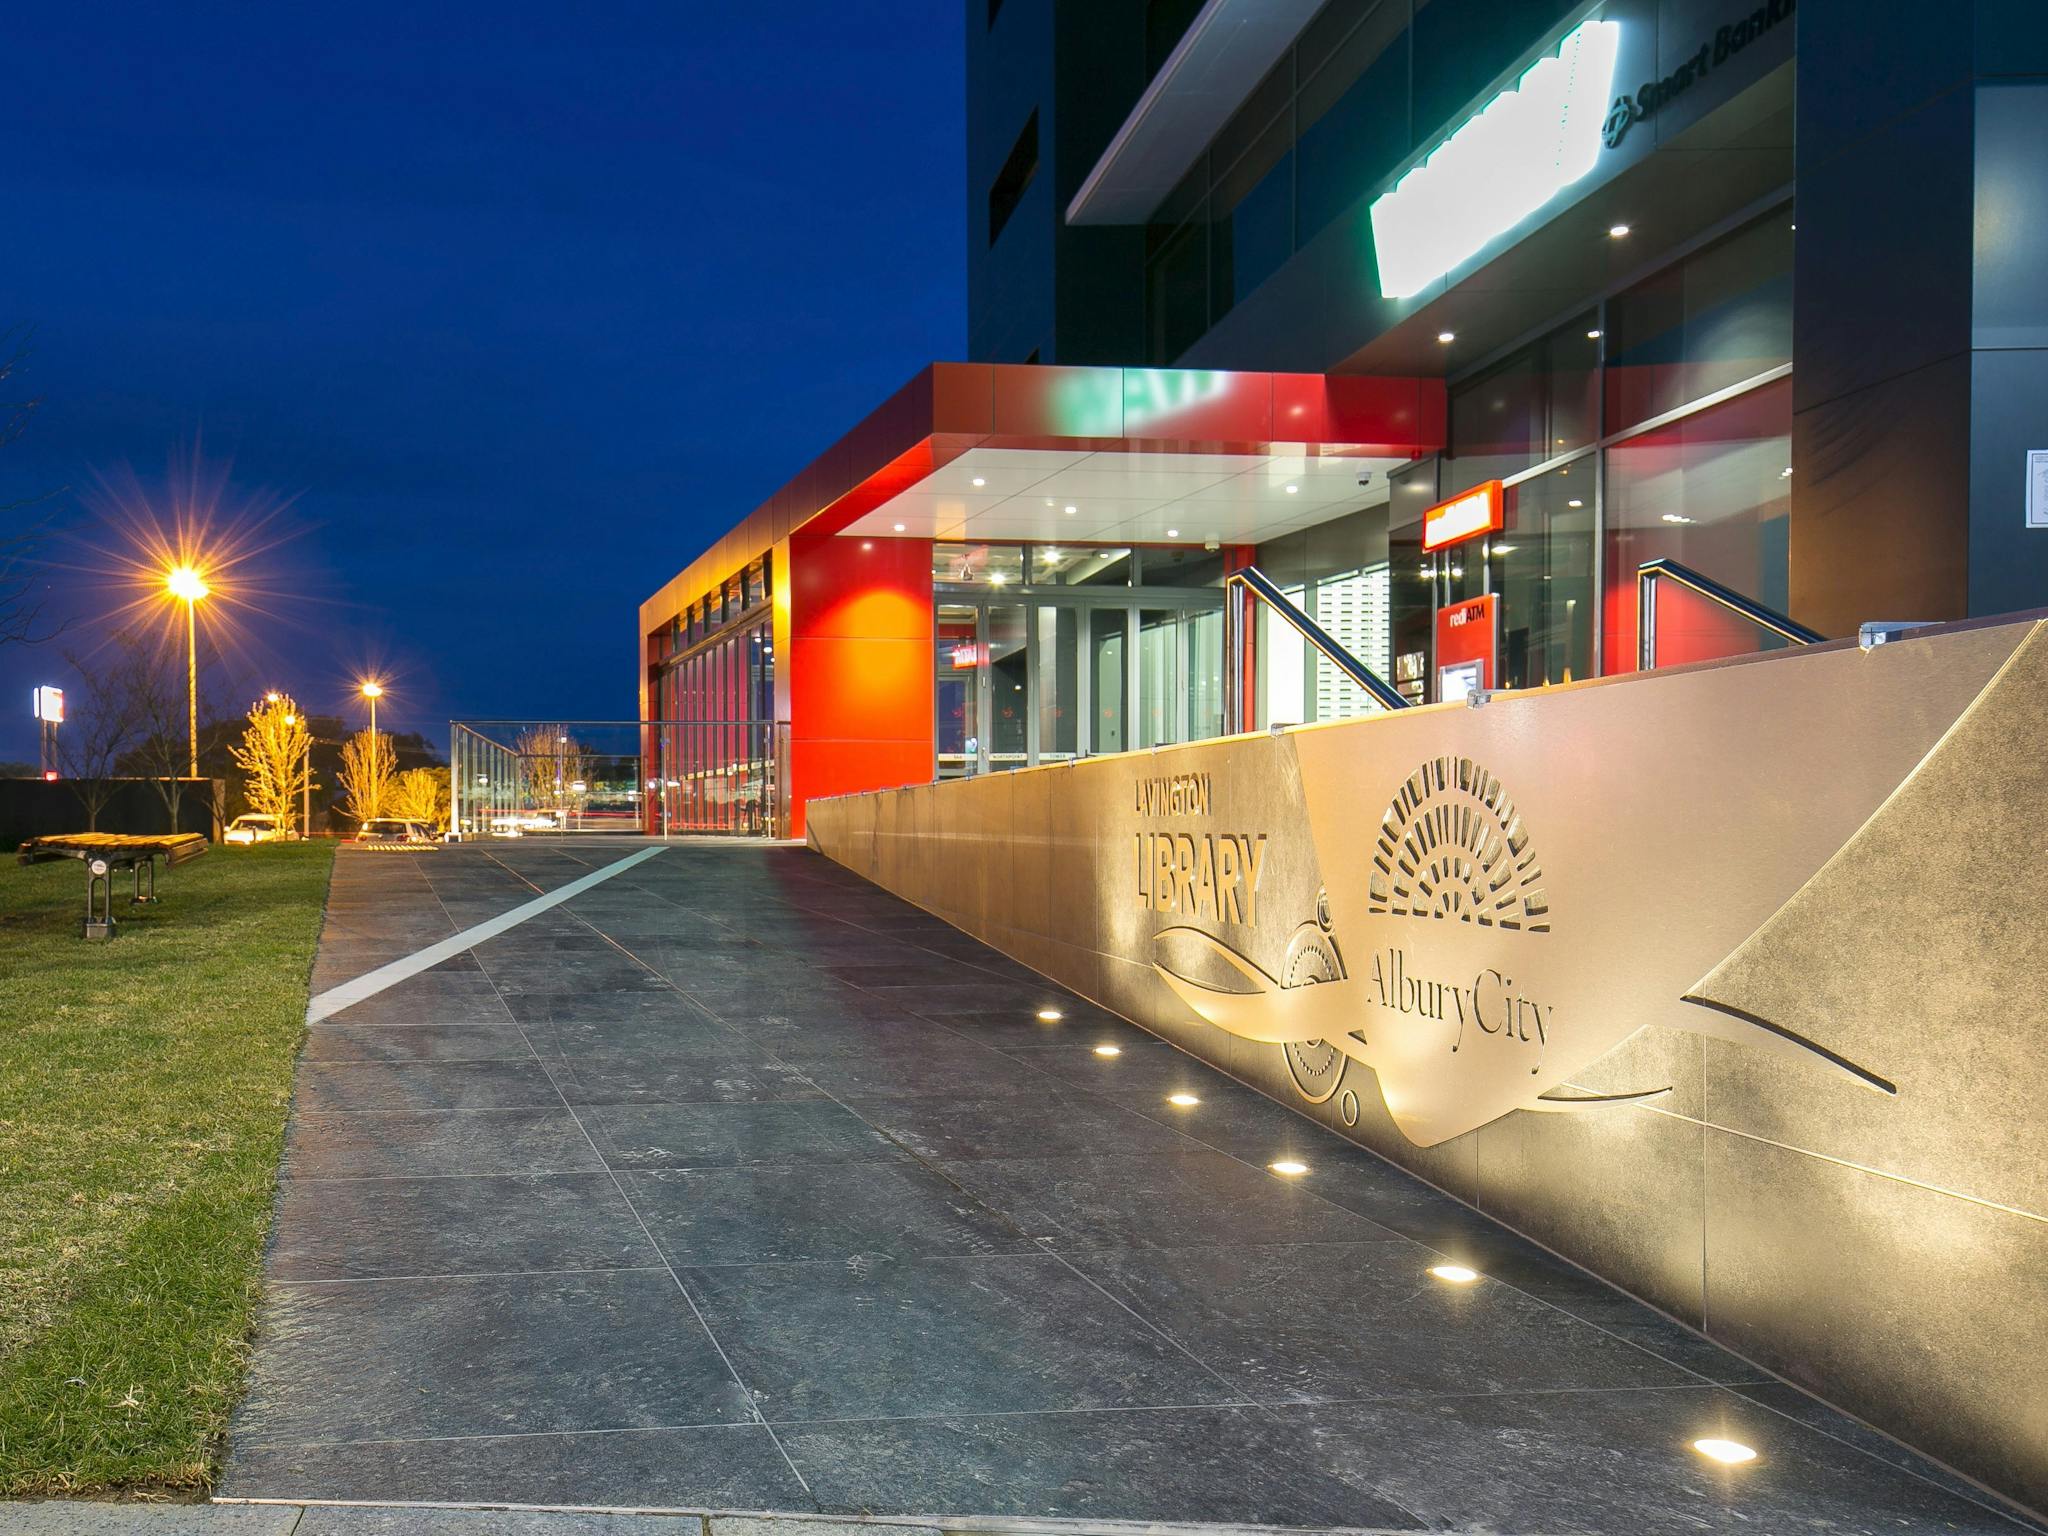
x: 257, y: 828
x: 396, y: 832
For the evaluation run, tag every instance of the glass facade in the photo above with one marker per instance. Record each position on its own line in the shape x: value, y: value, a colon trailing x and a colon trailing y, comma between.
x: 711, y: 755
x: 1365, y: 84
x: 1104, y: 647
x: 1654, y: 424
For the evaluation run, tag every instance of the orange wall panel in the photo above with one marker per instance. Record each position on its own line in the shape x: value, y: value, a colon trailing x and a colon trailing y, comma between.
x: 859, y: 664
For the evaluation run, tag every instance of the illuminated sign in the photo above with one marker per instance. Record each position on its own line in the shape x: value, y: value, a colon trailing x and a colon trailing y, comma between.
x: 1482, y: 509
x: 1499, y: 166
x: 966, y: 657
x: 49, y: 705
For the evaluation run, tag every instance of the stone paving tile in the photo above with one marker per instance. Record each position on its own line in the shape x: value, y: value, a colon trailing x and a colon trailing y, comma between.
x: 1623, y: 1462
x: 496, y: 1355
x: 66, y: 1517
x: 1305, y: 1322
x: 488, y: 1522
x: 819, y: 1211
x: 924, y: 1337
x: 1204, y: 1465
x: 641, y: 1136
x: 335, y: 1087
x: 330, y: 1041
x: 487, y: 1224
x: 728, y: 1467
x: 378, y: 1144
x: 1189, y: 1198
x: 1052, y: 1123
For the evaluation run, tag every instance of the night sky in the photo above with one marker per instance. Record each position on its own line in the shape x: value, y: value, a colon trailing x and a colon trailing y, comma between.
x: 517, y: 305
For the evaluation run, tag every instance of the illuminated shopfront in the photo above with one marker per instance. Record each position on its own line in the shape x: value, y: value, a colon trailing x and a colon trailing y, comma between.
x: 1013, y: 565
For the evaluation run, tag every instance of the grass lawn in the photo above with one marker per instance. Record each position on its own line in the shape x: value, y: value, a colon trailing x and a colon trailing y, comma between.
x: 143, y: 1089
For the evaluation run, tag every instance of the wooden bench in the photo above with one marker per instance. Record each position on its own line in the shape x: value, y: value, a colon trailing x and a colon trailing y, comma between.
x: 105, y: 852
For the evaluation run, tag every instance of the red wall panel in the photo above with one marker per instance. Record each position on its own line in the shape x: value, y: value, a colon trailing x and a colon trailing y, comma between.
x: 860, y: 665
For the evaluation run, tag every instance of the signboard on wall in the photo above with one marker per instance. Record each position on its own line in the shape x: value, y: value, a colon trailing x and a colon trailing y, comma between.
x: 1465, y: 648
x: 2037, y: 488
x: 1483, y: 509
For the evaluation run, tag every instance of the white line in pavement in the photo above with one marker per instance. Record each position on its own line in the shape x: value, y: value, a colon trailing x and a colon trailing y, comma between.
x: 370, y: 983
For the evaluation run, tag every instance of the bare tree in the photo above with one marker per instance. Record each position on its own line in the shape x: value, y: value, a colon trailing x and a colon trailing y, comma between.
x: 153, y: 670
x: 99, y: 726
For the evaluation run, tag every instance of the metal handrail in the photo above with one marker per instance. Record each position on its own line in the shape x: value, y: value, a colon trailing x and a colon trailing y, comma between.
x: 1650, y: 572
x: 1260, y: 586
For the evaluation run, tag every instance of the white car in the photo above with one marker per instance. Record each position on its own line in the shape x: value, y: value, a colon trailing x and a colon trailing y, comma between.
x: 254, y: 828
x: 396, y: 832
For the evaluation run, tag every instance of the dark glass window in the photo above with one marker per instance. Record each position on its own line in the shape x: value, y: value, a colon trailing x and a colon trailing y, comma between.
x: 1014, y: 178
x: 1353, y: 116
x: 1254, y: 228
x: 1180, y: 568
x: 1722, y: 315
x: 1176, y: 294
x: 1542, y: 402
x: 1462, y: 46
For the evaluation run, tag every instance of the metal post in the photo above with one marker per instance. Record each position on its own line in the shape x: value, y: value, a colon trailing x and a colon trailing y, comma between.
x: 1646, y: 623
x: 192, y: 681
x: 1233, y: 662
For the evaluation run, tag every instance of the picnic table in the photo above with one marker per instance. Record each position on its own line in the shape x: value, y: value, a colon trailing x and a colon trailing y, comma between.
x: 105, y: 852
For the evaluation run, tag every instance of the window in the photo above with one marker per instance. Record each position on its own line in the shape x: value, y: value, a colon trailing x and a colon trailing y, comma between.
x: 1721, y: 315
x: 1542, y: 572
x: 1713, y: 491
x: 1540, y: 403
x: 1014, y: 178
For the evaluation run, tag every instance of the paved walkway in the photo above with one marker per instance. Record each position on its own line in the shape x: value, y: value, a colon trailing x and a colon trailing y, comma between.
x: 732, y: 1183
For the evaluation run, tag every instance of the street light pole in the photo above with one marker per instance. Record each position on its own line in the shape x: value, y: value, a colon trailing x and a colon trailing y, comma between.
x: 187, y: 585
x: 373, y: 691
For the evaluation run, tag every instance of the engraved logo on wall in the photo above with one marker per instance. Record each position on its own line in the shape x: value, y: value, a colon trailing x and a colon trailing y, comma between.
x: 1451, y: 1010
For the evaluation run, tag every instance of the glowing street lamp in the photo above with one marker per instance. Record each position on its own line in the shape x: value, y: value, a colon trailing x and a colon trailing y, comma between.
x: 372, y: 690
x: 188, y: 587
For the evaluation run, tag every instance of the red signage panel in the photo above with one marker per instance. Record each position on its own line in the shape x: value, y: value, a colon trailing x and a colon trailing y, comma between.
x: 1483, y: 509
x: 1465, y: 648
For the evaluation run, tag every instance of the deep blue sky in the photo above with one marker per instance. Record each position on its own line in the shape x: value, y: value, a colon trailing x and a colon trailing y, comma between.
x: 522, y: 303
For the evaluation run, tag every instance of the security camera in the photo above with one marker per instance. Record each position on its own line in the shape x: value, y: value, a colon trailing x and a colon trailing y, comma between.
x: 1212, y: 545
x: 1365, y: 477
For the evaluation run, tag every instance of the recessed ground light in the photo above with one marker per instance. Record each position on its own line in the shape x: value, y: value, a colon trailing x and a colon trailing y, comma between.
x: 1294, y: 490
x: 1575, y: 502
x: 1617, y: 231
x: 1676, y: 517
x: 979, y: 482
x: 1109, y: 1050
x: 1457, y: 1274
x: 1730, y: 1453
x: 1289, y: 1168
x: 1184, y: 1100
x: 1050, y: 1015
x: 1447, y: 337
x: 1592, y: 335
x: 899, y: 527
